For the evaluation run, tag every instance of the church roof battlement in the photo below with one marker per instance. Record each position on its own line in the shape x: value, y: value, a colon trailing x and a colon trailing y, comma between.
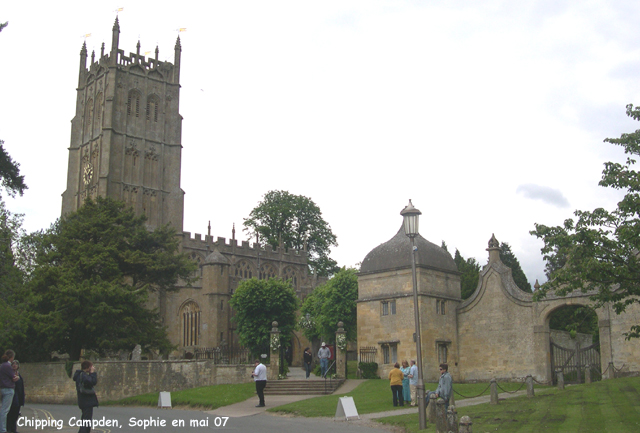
x: 243, y: 248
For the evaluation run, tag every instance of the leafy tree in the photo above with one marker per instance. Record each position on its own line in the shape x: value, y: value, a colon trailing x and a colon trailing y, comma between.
x: 331, y: 303
x: 297, y: 222
x: 10, y: 177
x: 600, y: 248
x: 95, y: 270
x: 470, y: 269
x: 576, y: 318
x: 256, y: 304
x: 508, y: 258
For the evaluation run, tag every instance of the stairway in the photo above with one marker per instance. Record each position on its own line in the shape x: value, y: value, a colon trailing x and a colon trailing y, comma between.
x: 302, y: 387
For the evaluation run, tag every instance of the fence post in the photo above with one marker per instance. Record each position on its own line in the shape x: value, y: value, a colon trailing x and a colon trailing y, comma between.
x: 431, y: 409
x: 274, y: 362
x: 341, y: 351
x: 441, y: 416
x: 587, y: 373
x: 465, y: 425
x: 452, y: 400
x: 452, y: 420
x: 494, y: 392
x: 611, y: 371
x: 529, y: 380
x: 560, y: 376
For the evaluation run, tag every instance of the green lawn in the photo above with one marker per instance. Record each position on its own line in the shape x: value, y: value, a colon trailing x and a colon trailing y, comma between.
x: 609, y: 406
x: 208, y: 397
x: 371, y: 396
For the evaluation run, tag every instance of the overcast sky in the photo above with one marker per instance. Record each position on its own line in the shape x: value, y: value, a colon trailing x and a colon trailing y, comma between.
x: 489, y: 115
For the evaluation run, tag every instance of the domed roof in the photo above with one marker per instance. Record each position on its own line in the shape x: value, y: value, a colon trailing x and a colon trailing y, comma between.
x: 216, y: 258
x: 396, y: 254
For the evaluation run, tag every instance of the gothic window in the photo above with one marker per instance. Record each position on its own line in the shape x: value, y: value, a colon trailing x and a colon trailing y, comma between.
x: 267, y: 271
x: 196, y: 258
x: 290, y: 275
x: 88, y: 120
x: 152, y: 108
x: 243, y: 270
x: 133, y: 103
x: 190, y: 315
x: 97, y: 123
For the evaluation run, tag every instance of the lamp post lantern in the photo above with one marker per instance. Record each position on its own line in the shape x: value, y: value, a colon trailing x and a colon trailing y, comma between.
x: 411, y: 216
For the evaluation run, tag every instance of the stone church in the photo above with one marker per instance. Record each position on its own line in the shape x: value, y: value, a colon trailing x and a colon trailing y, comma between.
x: 126, y: 144
x: 498, y: 332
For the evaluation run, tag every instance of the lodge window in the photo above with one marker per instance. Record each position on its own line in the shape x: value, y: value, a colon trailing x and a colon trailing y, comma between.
x: 390, y: 353
x: 440, y: 307
x: 442, y: 353
x: 388, y: 308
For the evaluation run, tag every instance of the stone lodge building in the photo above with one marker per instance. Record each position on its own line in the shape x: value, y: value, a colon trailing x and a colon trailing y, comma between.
x: 498, y: 332
x: 126, y: 144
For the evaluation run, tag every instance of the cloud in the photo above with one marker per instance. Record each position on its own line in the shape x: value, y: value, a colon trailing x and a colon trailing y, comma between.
x: 548, y: 195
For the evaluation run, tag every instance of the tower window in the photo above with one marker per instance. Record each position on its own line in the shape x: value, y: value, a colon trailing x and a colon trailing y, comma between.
x: 388, y: 307
x: 133, y: 103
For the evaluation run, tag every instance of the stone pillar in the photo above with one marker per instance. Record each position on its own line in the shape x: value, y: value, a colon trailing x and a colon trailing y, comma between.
x: 431, y: 409
x: 560, y: 376
x: 441, y: 416
x: 529, y: 381
x: 452, y: 400
x: 494, y: 392
x: 452, y: 420
x: 587, y: 373
x: 611, y: 371
x: 465, y: 425
x: 274, y: 342
x: 341, y: 352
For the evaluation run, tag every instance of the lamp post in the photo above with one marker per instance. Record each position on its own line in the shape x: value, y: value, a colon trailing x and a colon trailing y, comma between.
x: 411, y: 215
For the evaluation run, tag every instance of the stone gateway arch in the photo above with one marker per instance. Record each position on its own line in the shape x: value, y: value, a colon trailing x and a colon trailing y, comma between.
x: 498, y: 332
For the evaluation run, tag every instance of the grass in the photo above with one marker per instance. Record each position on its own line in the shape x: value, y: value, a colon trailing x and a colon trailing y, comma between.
x: 206, y: 397
x: 611, y: 406
x: 352, y: 369
x: 370, y: 396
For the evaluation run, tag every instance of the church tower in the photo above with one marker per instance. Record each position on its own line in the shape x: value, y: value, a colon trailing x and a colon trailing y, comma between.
x: 126, y: 134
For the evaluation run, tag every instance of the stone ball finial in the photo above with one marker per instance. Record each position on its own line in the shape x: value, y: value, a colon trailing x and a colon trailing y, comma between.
x: 465, y: 420
x: 274, y: 324
x: 536, y: 285
x: 340, y: 325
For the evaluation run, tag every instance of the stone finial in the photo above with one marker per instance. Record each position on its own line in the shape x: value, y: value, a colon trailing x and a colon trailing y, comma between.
x: 157, y: 52
x: 536, y: 286
x: 340, y: 326
x: 465, y: 424
x: 274, y: 326
x: 233, y: 230
x: 494, y: 249
x: 138, y: 47
x: 102, y: 51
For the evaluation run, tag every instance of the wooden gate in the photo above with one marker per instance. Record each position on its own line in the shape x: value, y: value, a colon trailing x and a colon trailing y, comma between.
x: 573, y: 362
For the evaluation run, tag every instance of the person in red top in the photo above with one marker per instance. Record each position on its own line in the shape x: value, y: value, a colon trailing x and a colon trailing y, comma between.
x: 8, y: 379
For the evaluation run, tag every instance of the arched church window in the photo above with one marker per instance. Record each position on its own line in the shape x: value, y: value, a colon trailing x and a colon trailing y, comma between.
x: 267, y: 271
x: 290, y: 275
x: 190, y: 315
x: 243, y: 270
x: 133, y: 103
x: 152, y: 108
x: 97, y: 123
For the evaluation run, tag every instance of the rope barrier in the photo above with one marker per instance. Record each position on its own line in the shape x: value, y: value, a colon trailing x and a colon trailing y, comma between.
x: 617, y: 369
x: 464, y: 396
x: 511, y: 392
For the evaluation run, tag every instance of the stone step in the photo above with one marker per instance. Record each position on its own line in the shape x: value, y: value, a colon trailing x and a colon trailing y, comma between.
x: 302, y: 387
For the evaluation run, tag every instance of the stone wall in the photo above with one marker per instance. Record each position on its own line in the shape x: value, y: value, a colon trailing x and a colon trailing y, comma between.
x: 49, y: 383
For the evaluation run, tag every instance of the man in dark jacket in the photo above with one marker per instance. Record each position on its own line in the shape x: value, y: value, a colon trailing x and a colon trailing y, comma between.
x: 85, y: 380
x: 18, y: 399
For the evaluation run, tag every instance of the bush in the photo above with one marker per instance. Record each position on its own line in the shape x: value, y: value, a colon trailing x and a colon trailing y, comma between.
x: 369, y: 370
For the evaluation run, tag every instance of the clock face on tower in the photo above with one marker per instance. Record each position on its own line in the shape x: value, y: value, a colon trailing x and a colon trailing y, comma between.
x: 88, y: 173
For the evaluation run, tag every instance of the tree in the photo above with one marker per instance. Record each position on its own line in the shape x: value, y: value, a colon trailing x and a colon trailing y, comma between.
x: 508, y: 258
x: 256, y: 304
x: 3, y: 25
x: 331, y: 303
x: 95, y: 270
x: 296, y: 222
x: 470, y: 269
x: 600, y: 249
x: 10, y: 177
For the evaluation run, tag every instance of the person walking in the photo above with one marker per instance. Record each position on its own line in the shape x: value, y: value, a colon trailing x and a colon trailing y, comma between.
x: 18, y: 399
x: 308, y: 357
x: 86, y: 378
x: 395, y: 380
x: 413, y: 381
x: 406, y: 390
x: 260, y: 377
x: 324, y: 354
x: 8, y: 380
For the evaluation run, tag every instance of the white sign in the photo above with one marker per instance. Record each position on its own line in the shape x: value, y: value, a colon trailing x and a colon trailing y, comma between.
x: 346, y: 408
x: 164, y: 399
